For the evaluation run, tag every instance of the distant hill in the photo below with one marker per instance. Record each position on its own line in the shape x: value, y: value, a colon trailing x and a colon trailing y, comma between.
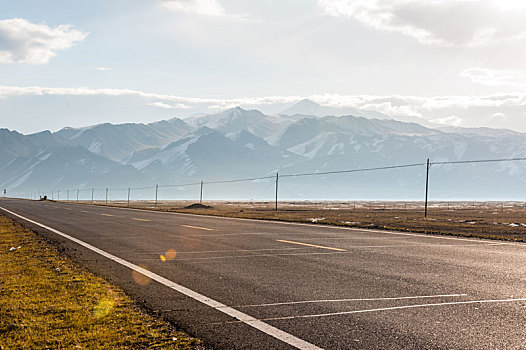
x: 117, y: 142
x: 308, y: 107
x: 40, y: 162
x: 238, y: 143
x: 237, y: 119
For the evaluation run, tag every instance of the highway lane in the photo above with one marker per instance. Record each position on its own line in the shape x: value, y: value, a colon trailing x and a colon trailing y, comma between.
x: 330, y: 287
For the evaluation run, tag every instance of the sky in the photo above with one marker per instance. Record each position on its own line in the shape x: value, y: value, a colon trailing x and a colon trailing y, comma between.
x: 77, y: 63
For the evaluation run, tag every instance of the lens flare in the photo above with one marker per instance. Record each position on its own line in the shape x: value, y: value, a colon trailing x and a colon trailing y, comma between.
x: 141, y: 279
x: 170, y: 254
x: 103, y: 307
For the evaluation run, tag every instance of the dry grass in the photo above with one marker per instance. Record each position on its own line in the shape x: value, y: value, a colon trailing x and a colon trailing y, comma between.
x: 492, y: 220
x: 46, y: 302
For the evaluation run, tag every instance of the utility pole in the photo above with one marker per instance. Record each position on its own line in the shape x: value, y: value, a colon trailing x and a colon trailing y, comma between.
x: 67, y: 196
x: 427, y: 186
x: 277, y: 182
x: 92, y: 195
x: 201, y: 195
x: 78, y: 195
x: 129, y: 189
x: 156, y: 191
x: 106, y: 195
x: 58, y: 195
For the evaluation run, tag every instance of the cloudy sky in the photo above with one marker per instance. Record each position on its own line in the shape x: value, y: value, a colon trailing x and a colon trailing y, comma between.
x: 77, y: 63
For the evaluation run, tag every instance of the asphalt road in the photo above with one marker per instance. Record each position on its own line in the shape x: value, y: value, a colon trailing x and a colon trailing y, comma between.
x: 245, y: 284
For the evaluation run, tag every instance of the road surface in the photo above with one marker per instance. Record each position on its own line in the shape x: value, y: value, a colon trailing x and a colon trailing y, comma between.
x: 246, y: 284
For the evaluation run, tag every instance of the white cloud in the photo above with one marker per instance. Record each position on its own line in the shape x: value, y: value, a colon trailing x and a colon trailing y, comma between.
x: 210, y: 8
x: 496, y: 77
x: 12, y: 91
x: 390, y: 108
x: 500, y: 118
x: 24, y: 42
x: 497, y: 110
x: 452, y: 120
x: 388, y: 104
x: 103, y: 69
x: 163, y: 105
x: 445, y: 23
x: 418, y: 105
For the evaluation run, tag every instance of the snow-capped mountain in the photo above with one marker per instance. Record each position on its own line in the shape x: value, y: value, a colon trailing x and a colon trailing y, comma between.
x: 210, y: 154
x: 236, y: 119
x: 39, y: 162
x: 308, y: 129
x: 117, y: 142
x: 238, y: 143
x: 308, y: 107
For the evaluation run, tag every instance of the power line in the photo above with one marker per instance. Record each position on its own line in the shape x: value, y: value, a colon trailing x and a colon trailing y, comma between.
x: 179, y: 185
x: 354, y: 170
x: 311, y: 174
x: 219, y: 181
x: 239, y: 180
x: 140, y: 188
x: 479, y: 161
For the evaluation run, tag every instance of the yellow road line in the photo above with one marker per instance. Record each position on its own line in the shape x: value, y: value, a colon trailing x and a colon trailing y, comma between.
x: 137, y: 219
x: 106, y: 214
x: 199, y: 228
x: 85, y: 211
x: 311, y: 245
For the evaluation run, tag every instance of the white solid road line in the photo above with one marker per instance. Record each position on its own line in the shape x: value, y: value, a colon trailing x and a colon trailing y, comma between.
x: 256, y: 256
x: 199, y: 228
x: 311, y: 245
x: 343, y: 253
x: 242, y: 317
x: 237, y: 250
x: 357, y: 299
x: 396, y: 308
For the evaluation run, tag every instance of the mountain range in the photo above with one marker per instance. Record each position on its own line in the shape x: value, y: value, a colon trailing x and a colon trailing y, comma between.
x: 237, y: 144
